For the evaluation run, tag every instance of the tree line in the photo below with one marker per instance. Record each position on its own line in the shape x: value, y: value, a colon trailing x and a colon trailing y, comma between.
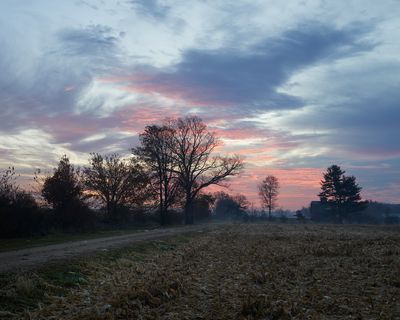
x: 340, y: 198
x: 174, y: 162
x: 166, y: 173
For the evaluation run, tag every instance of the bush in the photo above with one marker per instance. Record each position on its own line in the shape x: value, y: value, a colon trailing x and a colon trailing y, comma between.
x: 175, y: 217
x: 143, y: 217
x: 392, y: 220
x: 75, y: 216
x: 202, y: 207
x: 20, y: 216
x: 231, y: 207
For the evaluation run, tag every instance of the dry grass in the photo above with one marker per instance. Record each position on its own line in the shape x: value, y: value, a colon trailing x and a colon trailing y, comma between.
x: 237, y: 272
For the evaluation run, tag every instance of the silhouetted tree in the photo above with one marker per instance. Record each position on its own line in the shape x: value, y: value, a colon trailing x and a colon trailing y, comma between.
x: 8, y: 187
x: 156, y: 153
x: 232, y: 207
x: 300, y: 216
x: 116, y: 181
x: 192, y: 145
x: 341, y: 192
x: 242, y: 202
x: 63, y: 191
x: 202, y: 206
x: 19, y: 213
x: 63, y: 187
x: 268, y: 190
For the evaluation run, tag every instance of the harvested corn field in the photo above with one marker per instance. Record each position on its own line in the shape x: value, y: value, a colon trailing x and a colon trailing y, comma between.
x: 249, y: 271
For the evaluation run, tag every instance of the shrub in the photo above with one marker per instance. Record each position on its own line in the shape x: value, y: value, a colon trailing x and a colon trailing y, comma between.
x: 21, y: 216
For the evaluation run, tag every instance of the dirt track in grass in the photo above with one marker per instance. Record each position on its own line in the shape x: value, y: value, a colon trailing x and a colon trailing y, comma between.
x: 247, y: 271
x: 33, y: 257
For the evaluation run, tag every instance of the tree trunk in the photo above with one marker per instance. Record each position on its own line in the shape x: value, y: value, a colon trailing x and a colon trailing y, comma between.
x: 163, y: 211
x: 163, y: 216
x: 270, y: 206
x: 109, y: 210
x: 340, y: 216
x: 113, y: 212
x: 189, y: 218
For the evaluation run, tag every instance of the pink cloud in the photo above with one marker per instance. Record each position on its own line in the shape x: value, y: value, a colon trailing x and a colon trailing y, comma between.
x: 299, y: 186
x: 69, y: 88
x: 136, y: 117
x: 146, y: 83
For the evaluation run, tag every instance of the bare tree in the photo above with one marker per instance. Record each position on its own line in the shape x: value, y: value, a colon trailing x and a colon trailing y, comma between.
x: 192, y: 146
x: 115, y: 181
x: 268, y: 190
x: 156, y: 153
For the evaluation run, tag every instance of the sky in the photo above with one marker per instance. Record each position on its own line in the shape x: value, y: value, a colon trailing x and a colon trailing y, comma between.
x: 292, y: 86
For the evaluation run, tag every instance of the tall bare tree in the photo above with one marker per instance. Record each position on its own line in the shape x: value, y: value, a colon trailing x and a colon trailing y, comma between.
x: 268, y: 190
x: 156, y: 153
x: 115, y: 181
x: 192, y: 146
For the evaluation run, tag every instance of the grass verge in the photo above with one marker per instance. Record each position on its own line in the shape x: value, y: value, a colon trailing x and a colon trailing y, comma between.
x: 22, y: 292
x: 62, y: 237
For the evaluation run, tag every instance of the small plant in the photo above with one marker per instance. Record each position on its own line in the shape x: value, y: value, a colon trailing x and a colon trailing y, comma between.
x: 25, y: 286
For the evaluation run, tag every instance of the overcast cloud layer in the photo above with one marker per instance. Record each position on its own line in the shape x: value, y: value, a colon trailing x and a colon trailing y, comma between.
x: 294, y: 87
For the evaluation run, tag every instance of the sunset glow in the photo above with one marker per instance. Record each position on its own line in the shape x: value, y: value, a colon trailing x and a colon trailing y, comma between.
x: 292, y: 88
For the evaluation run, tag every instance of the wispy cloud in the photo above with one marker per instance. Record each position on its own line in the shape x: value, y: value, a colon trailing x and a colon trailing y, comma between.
x: 252, y: 78
x: 294, y: 88
x: 153, y: 8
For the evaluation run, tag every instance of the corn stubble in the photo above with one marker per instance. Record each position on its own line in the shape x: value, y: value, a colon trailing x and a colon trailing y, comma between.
x: 250, y: 271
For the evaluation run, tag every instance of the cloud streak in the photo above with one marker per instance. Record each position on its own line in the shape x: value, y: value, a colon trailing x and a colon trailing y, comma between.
x: 250, y: 79
x: 293, y: 88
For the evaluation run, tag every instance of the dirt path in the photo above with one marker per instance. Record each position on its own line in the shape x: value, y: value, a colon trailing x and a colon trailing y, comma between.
x: 33, y: 257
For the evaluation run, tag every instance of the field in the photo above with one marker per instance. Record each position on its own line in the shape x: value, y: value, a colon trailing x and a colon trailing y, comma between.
x: 247, y: 271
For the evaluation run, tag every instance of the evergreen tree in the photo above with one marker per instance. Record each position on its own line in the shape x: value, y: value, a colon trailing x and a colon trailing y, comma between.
x: 64, y: 192
x: 341, y: 192
x: 64, y: 187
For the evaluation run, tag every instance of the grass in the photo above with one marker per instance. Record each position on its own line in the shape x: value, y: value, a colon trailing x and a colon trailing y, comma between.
x: 62, y: 237
x: 267, y: 271
x: 22, y: 292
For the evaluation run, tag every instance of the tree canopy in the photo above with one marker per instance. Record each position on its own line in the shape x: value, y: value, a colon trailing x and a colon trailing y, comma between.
x: 115, y: 181
x: 64, y: 186
x: 192, y: 146
x: 341, y: 192
x: 155, y: 152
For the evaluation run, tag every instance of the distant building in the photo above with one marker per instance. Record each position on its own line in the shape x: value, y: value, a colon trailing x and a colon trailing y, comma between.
x: 375, y: 212
x: 379, y: 212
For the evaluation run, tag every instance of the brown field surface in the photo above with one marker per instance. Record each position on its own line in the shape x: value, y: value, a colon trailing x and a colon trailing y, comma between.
x: 243, y: 271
